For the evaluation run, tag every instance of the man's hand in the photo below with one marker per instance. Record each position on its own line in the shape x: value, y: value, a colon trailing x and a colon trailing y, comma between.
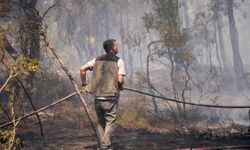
x: 120, y: 87
x: 85, y: 87
x: 84, y: 84
x: 120, y: 82
x: 83, y: 70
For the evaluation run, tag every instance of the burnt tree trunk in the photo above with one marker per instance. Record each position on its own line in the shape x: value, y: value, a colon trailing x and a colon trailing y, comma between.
x: 30, y: 42
x: 31, y: 26
x: 186, y: 17
x: 106, y: 18
x: 240, y: 78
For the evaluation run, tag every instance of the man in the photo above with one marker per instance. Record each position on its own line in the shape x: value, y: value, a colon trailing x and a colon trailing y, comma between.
x: 107, y: 80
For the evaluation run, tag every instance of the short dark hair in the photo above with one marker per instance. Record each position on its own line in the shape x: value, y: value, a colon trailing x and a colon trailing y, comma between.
x: 107, y: 45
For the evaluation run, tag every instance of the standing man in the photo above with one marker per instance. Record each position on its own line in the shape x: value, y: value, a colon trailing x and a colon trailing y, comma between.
x: 107, y: 80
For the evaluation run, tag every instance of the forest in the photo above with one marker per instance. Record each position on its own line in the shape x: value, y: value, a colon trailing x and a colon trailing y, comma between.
x: 187, y: 82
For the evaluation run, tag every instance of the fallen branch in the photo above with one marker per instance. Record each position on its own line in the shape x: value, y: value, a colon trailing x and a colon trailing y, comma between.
x: 74, y: 83
x: 32, y: 105
x: 39, y: 110
x: 125, y: 88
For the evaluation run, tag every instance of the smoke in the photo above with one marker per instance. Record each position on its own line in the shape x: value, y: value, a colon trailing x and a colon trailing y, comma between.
x: 78, y: 29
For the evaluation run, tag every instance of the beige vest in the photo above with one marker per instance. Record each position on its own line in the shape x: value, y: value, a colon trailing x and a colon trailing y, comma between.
x: 104, y: 80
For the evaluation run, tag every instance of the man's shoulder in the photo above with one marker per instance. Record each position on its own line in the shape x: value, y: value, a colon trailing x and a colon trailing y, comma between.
x: 108, y: 57
x: 120, y: 60
x: 100, y: 57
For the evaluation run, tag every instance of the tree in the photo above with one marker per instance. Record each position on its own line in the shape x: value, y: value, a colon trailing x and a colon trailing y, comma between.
x: 172, y: 46
x: 237, y: 62
x: 217, y: 8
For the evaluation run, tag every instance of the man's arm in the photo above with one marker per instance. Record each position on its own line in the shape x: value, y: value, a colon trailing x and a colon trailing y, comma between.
x: 83, y: 71
x: 120, y: 81
x: 88, y: 66
x: 121, y: 73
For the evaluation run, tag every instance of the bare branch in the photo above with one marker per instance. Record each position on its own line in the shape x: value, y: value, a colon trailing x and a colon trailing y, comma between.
x: 40, y: 110
x: 29, y: 98
x: 7, y: 81
x: 50, y: 7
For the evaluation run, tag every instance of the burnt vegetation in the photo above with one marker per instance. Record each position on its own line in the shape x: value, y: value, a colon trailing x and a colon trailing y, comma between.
x: 189, y: 51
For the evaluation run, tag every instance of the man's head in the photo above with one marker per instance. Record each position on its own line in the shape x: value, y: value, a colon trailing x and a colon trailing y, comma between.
x: 110, y: 45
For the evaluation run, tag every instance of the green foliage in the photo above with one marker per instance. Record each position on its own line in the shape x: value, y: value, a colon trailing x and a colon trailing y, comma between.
x: 172, y: 45
x: 8, y: 138
x: 165, y: 20
x: 5, y: 138
x: 148, y: 21
x: 25, y: 65
x: 165, y: 15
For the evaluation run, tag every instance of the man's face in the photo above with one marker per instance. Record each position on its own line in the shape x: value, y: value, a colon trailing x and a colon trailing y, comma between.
x: 115, y: 48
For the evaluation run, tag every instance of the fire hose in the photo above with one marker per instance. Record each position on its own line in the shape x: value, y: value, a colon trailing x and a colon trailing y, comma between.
x: 128, y: 89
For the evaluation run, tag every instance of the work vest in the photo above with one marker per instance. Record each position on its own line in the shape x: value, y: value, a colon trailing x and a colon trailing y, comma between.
x: 104, y: 80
